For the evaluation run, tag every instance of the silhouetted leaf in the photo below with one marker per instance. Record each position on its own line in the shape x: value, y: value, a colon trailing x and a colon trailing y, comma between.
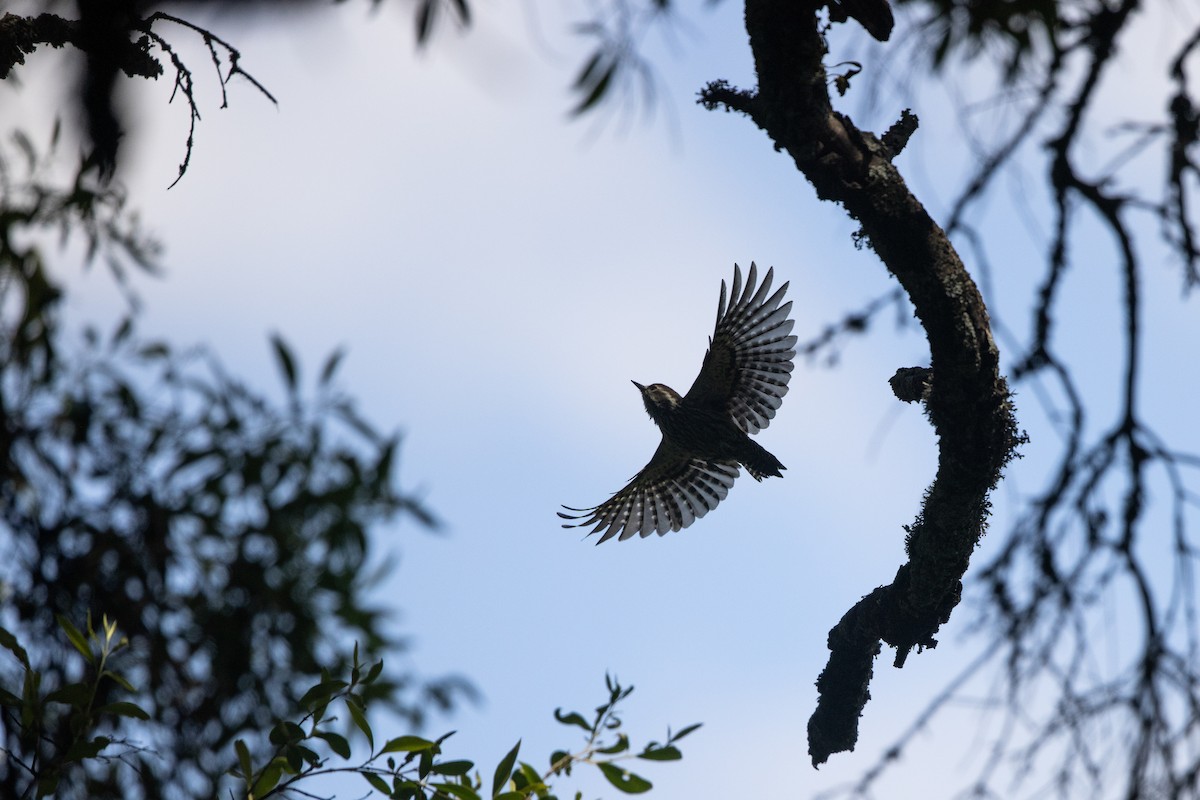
x: 243, y: 754
x: 456, y: 790
x: 624, y: 780
x: 668, y: 753
x: 331, y: 365
x: 73, y: 694
x: 426, y: 14
x: 572, y: 718
x: 9, y: 642
x: 321, y: 693
x: 598, y: 90
x: 684, y: 732
x: 504, y: 769
x: 337, y: 743
x: 360, y: 720
x: 406, y: 744
x: 377, y: 783
x: 123, y: 709
x: 287, y: 363
x: 77, y: 639
x: 461, y: 767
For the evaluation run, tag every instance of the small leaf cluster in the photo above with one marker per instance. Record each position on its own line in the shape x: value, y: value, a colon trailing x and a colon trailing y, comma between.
x: 606, y: 744
x: 226, y: 533
x: 62, y: 728
x: 411, y: 767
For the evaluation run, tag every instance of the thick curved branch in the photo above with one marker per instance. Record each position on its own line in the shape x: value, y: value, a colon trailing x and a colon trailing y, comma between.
x: 968, y: 402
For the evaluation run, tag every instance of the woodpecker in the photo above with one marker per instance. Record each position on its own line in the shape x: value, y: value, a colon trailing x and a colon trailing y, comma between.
x: 706, y: 432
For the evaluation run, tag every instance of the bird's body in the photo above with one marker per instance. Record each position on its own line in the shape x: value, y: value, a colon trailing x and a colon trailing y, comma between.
x: 705, y: 433
x: 708, y: 433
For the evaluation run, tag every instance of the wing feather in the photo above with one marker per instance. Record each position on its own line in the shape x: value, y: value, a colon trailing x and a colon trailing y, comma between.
x: 749, y: 360
x: 670, y: 493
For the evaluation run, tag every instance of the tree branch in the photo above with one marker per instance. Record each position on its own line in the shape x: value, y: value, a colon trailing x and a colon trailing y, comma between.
x: 968, y: 401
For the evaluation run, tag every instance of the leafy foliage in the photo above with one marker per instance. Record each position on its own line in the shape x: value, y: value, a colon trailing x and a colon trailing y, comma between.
x: 1013, y: 33
x: 225, y: 534
x: 406, y: 767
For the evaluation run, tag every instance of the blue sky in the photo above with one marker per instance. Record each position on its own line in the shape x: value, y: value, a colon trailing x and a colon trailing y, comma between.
x: 498, y: 275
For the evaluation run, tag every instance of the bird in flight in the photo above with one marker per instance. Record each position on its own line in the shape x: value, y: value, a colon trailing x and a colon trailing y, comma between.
x: 705, y: 433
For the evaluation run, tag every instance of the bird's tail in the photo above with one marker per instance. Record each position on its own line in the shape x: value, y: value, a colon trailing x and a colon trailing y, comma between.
x: 759, y: 462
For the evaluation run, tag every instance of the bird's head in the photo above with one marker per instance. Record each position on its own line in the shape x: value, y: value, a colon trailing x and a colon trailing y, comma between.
x: 660, y: 400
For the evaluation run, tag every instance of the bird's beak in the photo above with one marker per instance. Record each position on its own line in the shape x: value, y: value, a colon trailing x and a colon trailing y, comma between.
x: 640, y: 387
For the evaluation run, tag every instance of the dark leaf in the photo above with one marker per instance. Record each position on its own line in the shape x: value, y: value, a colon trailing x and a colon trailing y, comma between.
x: 377, y: 783
x: 406, y: 744
x: 426, y: 14
x: 73, y: 694
x: 243, y: 754
x: 77, y: 638
x: 9, y: 642
x: 624, y: 780
x: 621, y: 745
x: 321, y: 693
x: 269, y: 778
x: 337, y: 743
x: 360, y: 720
x: 573, y: 718
x: 598, y: 90
x: 504, y: 769
x: 287, y: 363
x: 668, y: 753
x: 85, y: 749
x: 461, y: 767
x: 123, y: 709
x: 677, y: 736
x: 456, y: 790
x: 331, y: 365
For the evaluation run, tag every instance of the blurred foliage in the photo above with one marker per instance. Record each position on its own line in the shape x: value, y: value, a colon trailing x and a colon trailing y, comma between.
x: 224, y: 533
x: 1009, y: 32
x: 137, y: 39
x: 310, y: 744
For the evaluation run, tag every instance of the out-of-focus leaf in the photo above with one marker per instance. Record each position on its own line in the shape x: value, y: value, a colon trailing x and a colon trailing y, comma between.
x: 287, y: 362
x: 504, y: 769
x: 360, y: 720
x: 598, y: 90
x: 456, y: 790
x: 621, y: 745
x: 77, y: 639
x: 337, y: 743
x: 377, y: 783
x: 668, y: 753
x: 426, y: 16
x: 331, y: 365
x: 73, y: 694
x: 243, y: 754
x: 624, y: 780
x: 9, y: 642
x: 406, y: 744
x: 269, y: 778
x: 572, y: 718
x: 321, y: 693
x: 123, y: 709
x: 86, y: 748
x: 460, y: 767
x: 675, y: 737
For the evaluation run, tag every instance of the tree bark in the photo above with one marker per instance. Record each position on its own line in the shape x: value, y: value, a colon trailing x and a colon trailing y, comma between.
x: 968, y: 401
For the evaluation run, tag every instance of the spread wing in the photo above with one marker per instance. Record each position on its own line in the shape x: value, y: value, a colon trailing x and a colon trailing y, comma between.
x: 670, y: 493
x: 749, y: 360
